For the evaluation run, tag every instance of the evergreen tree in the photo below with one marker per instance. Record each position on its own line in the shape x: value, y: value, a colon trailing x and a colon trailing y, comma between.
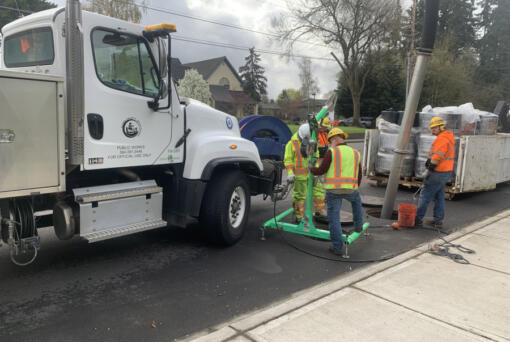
x: 456, y: 23
x: 252, y: 74
x: 494, y: 46
x: 24, y: 6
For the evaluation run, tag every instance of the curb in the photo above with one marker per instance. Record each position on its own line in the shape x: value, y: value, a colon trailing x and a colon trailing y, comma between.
x: 251, y: 320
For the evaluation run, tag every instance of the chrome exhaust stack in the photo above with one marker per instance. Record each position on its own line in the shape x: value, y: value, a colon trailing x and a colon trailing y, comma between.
x: 74, y: 81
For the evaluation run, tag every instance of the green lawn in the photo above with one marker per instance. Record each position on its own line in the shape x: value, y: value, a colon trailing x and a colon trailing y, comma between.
x: 347, y: 129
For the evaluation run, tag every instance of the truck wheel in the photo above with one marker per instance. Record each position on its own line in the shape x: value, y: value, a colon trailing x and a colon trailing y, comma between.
x: 225, y: 207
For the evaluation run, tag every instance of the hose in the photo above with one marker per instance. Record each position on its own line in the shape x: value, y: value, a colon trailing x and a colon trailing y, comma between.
x: 14, y: 252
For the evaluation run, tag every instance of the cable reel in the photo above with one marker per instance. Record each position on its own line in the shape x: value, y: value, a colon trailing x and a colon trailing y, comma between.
x: 19, y: 231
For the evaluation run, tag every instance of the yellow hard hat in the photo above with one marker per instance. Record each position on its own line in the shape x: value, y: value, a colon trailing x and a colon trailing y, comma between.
x: 326, y: 122
x: 337, y: 131
x: 436, y: 121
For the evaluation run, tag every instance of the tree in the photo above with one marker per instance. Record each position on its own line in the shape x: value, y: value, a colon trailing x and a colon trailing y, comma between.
x: 309, y: 84
x: 194, y: 86
x: 384, y: 88
x: 456, y: 24
x: 127, y: 10
x: 448, y: 81
x: 494, y: 45
x: 252, y: 75
x: 356, y: 27
x: 25, y: 8
x: 288, y: 96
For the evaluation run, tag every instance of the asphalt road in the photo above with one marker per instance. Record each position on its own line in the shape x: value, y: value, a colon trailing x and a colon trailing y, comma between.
x: 168, y: 283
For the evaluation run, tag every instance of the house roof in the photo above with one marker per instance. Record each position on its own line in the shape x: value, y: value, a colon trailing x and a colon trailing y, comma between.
x: 208, y: 67
x: 220, y: 94
x: 241, y: 97
x: 178, y: 69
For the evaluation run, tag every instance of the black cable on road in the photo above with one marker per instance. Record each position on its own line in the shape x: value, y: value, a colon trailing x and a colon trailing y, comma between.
x: 354, y: 261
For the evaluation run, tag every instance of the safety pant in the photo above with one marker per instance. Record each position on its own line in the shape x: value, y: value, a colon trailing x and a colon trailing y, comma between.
x: 299, y: 198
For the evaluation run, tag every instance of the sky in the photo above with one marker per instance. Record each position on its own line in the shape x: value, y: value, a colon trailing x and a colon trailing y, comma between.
x: 254, y: 15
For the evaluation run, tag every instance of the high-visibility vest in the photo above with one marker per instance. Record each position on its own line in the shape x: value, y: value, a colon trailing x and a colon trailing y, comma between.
x: 293, y: 159
x: 323, y: 137
x: 344, y: 168
x: 442, y: 151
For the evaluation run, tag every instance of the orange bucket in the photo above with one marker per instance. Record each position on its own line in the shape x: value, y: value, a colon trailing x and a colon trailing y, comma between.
x: 406, y: 215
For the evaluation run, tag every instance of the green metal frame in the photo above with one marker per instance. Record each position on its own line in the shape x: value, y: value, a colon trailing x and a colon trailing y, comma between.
x: 307, y: 226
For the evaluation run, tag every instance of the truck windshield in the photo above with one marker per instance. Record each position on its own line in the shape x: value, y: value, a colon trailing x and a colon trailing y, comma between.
x: 124, y: 62
x: 29, y: 48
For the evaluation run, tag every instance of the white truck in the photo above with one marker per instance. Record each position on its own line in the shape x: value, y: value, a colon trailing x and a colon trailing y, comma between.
x: 95, y: 139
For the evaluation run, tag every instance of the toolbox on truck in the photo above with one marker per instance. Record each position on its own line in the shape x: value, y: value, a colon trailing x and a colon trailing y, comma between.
x: 32, y: 133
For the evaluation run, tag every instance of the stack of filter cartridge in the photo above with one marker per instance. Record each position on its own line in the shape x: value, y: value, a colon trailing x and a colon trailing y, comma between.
x: 461, y: 120
x: 388, y: 133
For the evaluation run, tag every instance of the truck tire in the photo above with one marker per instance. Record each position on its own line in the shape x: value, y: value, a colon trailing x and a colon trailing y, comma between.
x: 225, y: 207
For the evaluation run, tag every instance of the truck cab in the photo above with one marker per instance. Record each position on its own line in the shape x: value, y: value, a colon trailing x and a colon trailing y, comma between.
x: 96, y: 138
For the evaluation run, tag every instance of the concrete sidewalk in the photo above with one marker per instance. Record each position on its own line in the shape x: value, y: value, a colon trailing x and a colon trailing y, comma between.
x: 415, y: 296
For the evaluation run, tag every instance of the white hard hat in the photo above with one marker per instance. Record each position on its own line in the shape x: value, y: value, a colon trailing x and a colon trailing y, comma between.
x: 304, y: 131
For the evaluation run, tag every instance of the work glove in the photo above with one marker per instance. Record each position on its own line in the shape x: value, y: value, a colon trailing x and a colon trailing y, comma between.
x: 291, y: 178
x: 311, y: 164
x: 429, y: 165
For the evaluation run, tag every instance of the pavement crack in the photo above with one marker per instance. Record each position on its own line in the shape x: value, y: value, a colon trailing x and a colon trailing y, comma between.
x: 422, y: 313
x: 238, y: 334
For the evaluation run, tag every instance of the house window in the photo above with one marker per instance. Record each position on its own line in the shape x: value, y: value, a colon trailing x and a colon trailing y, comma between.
x: 224, y: 82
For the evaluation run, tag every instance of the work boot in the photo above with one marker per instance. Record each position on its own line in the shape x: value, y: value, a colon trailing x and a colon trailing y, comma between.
x: 321, y: 214
x: 331, y: 249
x: 418, y: 223
x: 321, y: 217
x: 435, y: 224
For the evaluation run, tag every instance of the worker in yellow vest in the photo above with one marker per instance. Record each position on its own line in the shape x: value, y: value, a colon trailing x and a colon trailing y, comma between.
x: 342, y: 168
x: 297, y: 173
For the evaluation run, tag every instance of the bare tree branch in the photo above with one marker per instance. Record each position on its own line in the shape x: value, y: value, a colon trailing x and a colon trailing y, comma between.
x: 356, y: 27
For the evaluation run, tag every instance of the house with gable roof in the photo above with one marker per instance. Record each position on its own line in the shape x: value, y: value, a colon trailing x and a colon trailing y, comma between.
x: 224, y: 82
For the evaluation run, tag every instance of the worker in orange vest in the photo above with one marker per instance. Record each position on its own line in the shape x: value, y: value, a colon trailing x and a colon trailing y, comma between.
x: 439, y: 170
x: 322, y: 136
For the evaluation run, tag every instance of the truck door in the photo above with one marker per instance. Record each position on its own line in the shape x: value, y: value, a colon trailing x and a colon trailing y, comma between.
x: 121, y: 76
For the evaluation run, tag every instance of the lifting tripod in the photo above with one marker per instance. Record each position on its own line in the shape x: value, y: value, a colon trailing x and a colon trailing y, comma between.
x: 307, y: 226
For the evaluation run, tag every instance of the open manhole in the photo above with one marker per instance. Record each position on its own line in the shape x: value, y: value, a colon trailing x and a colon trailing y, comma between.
x: 345, y: 219
x: 376, y: 212
x: 372, y: 201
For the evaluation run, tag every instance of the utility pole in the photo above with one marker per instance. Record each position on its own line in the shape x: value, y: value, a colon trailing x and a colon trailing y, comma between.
x: 424, y: 53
